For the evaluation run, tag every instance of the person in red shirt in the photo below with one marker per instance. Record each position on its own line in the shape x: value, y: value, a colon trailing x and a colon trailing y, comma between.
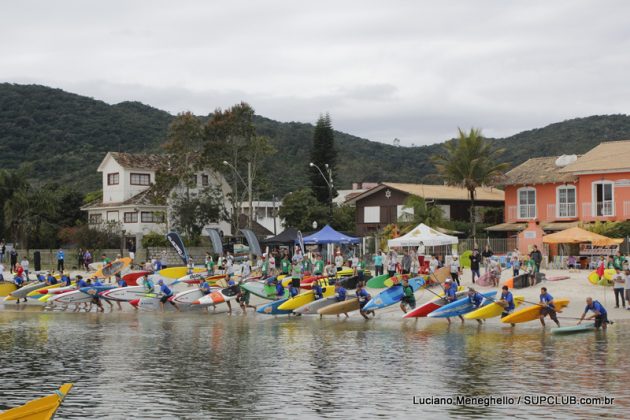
x: 19, y: 270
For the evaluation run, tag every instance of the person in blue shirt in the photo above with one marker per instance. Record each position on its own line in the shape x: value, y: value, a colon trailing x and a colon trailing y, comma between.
x: 507, y: 302
x: 548, y: 308
x: 450, y: 294
x: 279, y: 290
x: 293, y: 291
x: 599, y: 313
x: 317, y: 290
x: 340, y: 295
x: 66, y: 280
x: 364, y: 297
x: 121, y: 283
x: 204, y: 287
x: 60, y: 260
x: 166, y: 295
x: 475, y: 298
x: 51, y: 280
x: 96, y: 299
x: 19, y: 282
x: 80, y: 282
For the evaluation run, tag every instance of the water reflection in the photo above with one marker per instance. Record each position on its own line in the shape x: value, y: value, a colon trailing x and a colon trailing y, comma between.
x: 199, y: 365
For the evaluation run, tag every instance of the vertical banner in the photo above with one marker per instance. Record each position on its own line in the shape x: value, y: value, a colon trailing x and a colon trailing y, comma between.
x: 254, y: 246
x: 178, y: 244
x: 300, y: 239
x: 215, y: 238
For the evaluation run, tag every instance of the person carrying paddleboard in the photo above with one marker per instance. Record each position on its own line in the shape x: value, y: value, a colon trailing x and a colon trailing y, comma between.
x: 450, y: 294
x: 121, y: 283
x: 279, y: 290
x: 507, y: 302
x: 147, y: 283
x: 599, y: 313
x: 548, y: 308
x: 166, y: 294
x: 475, y: 298
x: 242, y: 297
x: 364, y: 297
x: 317, y: 290
x: 408, y: 299
x: 340, y: 295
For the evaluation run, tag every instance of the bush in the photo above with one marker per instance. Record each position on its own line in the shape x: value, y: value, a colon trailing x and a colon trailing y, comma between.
x: 154, y: 239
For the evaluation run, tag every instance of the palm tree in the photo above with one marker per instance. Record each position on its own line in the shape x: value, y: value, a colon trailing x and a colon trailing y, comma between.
x: 469, y: 161
x: 422, y: 213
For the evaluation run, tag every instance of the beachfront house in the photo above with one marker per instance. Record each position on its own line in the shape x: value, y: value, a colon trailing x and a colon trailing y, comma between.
x: 384, y: 204
x: 126, y: 203
x: 555, y: 193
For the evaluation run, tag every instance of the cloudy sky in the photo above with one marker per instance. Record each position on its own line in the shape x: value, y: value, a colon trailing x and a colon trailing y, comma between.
x: 413, y: 70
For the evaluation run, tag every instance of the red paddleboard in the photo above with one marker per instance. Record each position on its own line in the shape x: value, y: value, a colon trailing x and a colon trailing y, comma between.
x: 132, y: 277
x: 307, y: 282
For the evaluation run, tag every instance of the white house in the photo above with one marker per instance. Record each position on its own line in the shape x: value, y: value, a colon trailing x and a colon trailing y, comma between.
x: 126, y: 202
x: 266, y: 214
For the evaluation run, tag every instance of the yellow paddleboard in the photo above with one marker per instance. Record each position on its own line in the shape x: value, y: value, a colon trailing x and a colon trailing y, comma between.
x: 305, y: 298
x: 6, y: 287
x: 608, y: 276
x: 112, y: 268
x: 492, y: 310
x: 532, y: 313
x: 39, y: 409
x: 179, y: 272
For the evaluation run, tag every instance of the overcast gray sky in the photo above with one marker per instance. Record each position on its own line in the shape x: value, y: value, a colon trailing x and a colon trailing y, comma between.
x: 413, y: 70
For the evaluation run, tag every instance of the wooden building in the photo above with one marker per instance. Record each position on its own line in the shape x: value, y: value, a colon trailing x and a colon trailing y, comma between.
x: 384, y: 204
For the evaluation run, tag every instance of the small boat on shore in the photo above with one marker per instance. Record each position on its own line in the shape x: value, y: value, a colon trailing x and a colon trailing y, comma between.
x: 39, y: 409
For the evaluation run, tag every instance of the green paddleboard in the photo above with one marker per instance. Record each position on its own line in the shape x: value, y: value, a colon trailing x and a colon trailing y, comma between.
x: 377, y: 282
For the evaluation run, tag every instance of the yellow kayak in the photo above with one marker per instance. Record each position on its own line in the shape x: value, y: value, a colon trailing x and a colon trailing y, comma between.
x: 179, y: 272
x: 305, y: 298
x: 492, y: 310
x: 39, y: 409
x: 6, y: 287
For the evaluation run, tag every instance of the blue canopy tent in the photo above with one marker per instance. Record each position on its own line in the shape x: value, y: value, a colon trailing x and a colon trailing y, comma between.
x: 329, y: 235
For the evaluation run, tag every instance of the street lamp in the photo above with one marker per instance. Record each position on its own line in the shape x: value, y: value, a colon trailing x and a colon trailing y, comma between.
x: 247, y: 185
x: 329, y: 182
x: 314, y: 225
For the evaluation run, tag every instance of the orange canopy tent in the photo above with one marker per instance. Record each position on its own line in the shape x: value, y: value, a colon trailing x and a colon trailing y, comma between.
x: 576, y: 235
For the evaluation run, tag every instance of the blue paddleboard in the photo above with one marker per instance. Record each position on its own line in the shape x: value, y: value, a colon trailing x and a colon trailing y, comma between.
x: 392, y: 295
x: 271, y: 308
x: 461, y: 306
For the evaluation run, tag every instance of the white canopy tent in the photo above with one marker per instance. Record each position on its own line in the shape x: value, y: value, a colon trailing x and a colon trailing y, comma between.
x: 423, y: 235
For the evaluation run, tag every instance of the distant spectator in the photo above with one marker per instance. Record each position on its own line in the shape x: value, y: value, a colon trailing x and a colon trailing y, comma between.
x: 60, y: 260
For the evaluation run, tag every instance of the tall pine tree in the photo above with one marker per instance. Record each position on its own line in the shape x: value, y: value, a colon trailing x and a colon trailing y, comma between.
x: 323, y: 153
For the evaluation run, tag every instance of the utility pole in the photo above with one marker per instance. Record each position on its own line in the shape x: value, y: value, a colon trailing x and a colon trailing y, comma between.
x: 249, y: 193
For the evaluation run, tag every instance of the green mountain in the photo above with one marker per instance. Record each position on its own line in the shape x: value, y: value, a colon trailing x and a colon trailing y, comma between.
x: 64, y: 136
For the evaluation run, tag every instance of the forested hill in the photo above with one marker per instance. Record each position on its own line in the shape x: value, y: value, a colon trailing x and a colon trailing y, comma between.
x: 64, y: 136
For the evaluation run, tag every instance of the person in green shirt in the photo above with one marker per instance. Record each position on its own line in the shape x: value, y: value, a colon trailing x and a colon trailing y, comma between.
x: 307, y: 265
x: 297, y: 270
x: 319, y: 266
x: 285, y: 264
x: 209, y: 264
x: 264, y: 267
x: 359, y: 269
x: 618, y: 261
x: 409, y: 299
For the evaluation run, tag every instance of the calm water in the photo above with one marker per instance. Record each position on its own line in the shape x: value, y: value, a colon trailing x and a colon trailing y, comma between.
x: 152, y: 365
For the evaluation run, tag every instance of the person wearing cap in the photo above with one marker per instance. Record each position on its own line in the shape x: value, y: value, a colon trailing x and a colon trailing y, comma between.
x: 599, y: 313
x: 455, y: 269
x: 475, y: 298
x: 450, y: 293
x: 338, y: 261
x: 408, y: 299
x: 166, y: 294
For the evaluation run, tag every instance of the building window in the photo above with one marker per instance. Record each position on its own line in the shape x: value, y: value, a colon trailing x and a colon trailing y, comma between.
x: 131, y: 217
x: 603, y: 198
x: 113, y: 179
x: 152, y: 217
x: 565, y: 196
x: 140, y: 179
x: 96, y: 219
x: 526, y: 203
x: 404, y: 214
x: 372, y: 214
x: 112, y: 216
x: 204, y: 180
